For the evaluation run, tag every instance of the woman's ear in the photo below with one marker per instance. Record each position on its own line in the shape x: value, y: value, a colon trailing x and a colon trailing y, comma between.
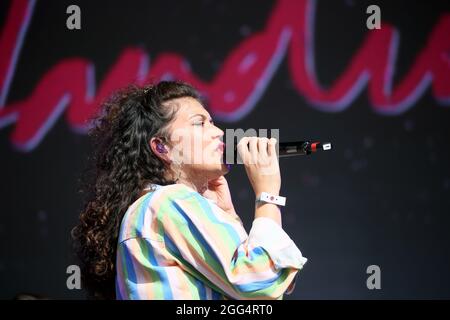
x: 159, y: 149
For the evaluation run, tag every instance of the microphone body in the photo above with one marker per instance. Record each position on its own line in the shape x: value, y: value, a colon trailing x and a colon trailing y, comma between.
x: 300, y: 148
x: 295, y: 148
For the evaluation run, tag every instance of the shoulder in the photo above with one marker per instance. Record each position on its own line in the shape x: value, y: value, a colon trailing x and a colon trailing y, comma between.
x: 176, y: 201
x: 168, y: 195
x: 161, y: 195
x: 144, y: 216
x: 173, y: 192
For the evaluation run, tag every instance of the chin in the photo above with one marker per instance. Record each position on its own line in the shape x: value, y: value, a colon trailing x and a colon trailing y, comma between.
x: 224, y: 169
x: 215, y: 170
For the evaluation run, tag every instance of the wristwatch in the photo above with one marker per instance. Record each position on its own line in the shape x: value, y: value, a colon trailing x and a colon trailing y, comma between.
x: 269, y: 198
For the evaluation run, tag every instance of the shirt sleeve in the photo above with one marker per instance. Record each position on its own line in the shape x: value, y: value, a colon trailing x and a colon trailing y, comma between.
x: 214, y: 247
x: 269, y: 235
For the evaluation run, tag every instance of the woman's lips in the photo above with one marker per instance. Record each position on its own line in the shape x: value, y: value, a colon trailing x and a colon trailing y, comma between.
x: 221, y: 147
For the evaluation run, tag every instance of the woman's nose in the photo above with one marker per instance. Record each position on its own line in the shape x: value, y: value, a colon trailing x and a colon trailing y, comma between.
x: 219, y: 132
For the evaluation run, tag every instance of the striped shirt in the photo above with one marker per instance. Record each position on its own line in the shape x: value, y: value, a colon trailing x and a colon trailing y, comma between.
x: 176, y: 244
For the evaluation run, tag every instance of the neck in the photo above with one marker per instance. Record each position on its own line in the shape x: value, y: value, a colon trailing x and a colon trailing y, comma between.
x: 194, y: 180
x: 200, y: 185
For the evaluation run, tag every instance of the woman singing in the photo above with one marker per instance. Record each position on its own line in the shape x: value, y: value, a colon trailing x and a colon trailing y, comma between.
x: 159, y: 221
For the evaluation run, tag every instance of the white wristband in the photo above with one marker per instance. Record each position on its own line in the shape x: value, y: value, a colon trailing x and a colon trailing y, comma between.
x: 267, y: 197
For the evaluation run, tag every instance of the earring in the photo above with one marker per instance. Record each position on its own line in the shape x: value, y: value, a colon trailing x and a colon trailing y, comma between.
x: 160, y: 148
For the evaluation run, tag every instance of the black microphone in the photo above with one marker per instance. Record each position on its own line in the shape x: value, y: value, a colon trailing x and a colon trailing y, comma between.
x: 291, y: 149
x: 300, y: 148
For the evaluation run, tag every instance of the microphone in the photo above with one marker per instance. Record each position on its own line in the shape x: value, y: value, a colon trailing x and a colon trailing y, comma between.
x: 300, y: 148
x: 291, y: 149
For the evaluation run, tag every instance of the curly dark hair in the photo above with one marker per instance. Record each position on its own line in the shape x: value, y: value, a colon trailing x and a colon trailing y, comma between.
x: 121, y: 165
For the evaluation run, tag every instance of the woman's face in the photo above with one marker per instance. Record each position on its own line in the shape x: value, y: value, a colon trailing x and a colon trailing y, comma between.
x: 195, y: 140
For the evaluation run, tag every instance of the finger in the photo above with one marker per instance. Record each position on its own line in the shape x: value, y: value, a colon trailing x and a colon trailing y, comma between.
x: 272, y: 147
x: 242, y: 148
x: 262, y: 146
x: 253, y: 143
x: 264, y: 158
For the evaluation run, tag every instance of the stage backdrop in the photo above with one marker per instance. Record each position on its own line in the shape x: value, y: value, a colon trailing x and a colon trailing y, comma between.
x: 312, y: 69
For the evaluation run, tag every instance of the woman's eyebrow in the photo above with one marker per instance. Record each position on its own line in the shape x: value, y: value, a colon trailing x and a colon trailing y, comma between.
x: 201, y: 115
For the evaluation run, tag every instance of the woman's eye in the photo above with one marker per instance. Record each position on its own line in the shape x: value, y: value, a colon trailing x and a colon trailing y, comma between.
x: 201, y: 123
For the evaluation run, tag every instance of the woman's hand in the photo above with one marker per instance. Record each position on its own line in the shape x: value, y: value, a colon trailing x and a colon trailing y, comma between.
x: 261, y: 164
x: 219, y: 192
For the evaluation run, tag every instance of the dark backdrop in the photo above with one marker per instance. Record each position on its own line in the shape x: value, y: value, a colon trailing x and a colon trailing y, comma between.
x: 381, y: 197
